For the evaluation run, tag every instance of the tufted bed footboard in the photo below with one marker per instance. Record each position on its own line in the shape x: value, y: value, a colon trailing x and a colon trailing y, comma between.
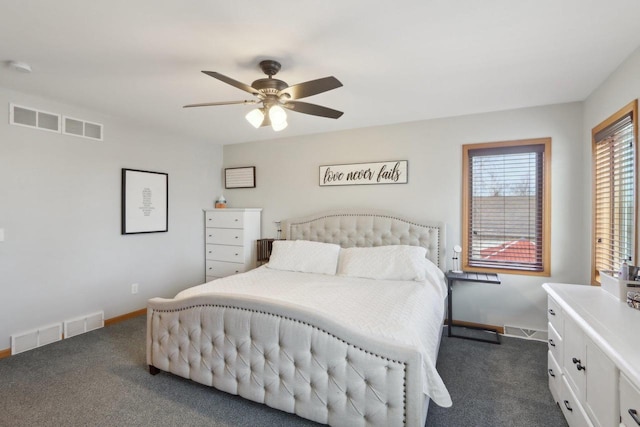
x: 290, y: 359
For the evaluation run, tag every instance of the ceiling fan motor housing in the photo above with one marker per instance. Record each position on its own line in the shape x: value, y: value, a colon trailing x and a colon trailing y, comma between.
x: 269, y: 86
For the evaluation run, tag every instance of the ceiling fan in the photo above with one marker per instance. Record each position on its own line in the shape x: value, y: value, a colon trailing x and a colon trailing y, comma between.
x: 276, y: 95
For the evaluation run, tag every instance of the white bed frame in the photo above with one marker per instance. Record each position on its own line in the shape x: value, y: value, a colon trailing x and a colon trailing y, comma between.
x: 294, y: 360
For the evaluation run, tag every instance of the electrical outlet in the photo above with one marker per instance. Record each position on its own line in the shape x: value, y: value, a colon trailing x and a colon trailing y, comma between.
x: 134, y: 288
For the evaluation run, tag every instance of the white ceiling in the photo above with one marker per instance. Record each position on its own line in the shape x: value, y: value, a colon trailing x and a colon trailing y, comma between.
x: 399, y: 61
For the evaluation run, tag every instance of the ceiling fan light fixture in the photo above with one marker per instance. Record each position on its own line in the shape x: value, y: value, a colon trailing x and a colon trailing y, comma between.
x: 277, y: 127
x: 255, y: 117
x: 277, y: 115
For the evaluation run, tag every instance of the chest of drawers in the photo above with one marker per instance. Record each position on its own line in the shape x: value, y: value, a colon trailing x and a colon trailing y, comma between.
x: 230, y: 241
x: 594, y: 356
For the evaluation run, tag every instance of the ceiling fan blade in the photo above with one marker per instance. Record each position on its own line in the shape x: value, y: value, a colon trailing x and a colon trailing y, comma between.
x: 312, y: 87
x: 232, y: 82
x: 313, y: 109
x: 209, y: 104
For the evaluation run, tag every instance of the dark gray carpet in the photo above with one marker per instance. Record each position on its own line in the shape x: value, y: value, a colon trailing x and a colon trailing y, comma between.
x: 495, y: 385
x: 101, y: 379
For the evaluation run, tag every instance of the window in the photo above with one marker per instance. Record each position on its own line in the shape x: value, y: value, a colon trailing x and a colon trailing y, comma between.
x: 506, y: 207
x: 614, y: 191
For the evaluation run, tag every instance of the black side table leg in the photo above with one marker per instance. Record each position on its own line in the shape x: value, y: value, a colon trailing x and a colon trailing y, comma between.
x: 449, y: 307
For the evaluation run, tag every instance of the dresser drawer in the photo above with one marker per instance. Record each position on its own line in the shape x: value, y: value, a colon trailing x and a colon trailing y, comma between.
x: 223, y: 269
x: 225, y: 253
x: 556, y: 344
x: 555, y: 376
x: 571, y: 408
x: 224, y: 219
x: 629, y: 403
x: 224, y: 236
x: 554, y: 314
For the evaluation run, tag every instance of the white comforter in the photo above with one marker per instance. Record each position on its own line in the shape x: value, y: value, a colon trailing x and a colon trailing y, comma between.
x: 406, y: 312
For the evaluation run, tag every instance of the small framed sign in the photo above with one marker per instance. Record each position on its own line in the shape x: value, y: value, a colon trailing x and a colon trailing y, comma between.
x: 145, y: 201
x: 244, y: 177
x: 390, y: 172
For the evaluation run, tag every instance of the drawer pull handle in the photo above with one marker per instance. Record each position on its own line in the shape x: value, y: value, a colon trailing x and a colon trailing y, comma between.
x: 634, y: 415
x: 236, y: 237
x: 551, y: 343
x: 551, y: 373
x: 580, y: 367
x: 574, y: 360
x: 566, y: 403
x: 236, y: 220
x: 236, y: 254
x: 237, y: 271
x: 551, y: 312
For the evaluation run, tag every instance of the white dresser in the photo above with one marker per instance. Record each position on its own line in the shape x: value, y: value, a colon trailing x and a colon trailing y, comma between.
x: 594, y: 356
x: 230, y: 237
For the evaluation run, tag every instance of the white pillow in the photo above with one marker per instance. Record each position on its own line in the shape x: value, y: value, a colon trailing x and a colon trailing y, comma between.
x: 397, y: 262
x: 304, y: 256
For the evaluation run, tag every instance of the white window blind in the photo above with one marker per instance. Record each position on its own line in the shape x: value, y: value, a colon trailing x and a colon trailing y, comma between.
x: 505, y: 212
x: 614, y: 194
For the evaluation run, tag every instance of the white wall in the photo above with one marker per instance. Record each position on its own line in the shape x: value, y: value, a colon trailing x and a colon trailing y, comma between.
x: 287, y: 186
x: 619, y: 89
x: 63, y: 254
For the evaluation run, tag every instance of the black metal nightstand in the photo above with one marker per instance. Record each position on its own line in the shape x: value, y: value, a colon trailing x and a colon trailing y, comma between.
x: 468, y: 277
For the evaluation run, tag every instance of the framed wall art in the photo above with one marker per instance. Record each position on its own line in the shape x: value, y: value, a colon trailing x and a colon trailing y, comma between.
x: 244, y: 177
x: 145, y: 201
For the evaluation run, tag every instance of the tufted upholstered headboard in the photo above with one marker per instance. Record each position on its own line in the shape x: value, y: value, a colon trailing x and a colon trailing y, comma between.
x: 365, y: 228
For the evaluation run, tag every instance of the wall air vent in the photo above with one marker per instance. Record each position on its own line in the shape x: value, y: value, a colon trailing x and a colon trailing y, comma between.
x: 528, y: 334
x: 36, y: 338
x: 30, y: 117
x: 82, y: 128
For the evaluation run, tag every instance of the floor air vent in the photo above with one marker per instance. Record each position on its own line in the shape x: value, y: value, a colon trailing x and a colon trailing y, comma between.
x: 529, y: 334
x: 36, y: 338
x: 83, y: 324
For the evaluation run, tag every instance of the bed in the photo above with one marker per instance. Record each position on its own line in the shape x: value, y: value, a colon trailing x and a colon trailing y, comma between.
x: 341, y: 349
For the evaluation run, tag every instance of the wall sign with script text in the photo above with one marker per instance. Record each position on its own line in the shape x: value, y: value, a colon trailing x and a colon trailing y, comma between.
x: 390, y: 172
